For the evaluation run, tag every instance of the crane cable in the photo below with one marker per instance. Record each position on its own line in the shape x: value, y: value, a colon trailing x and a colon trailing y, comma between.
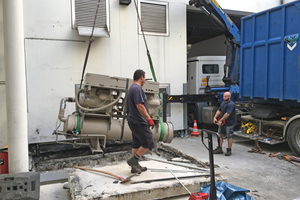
x: 91, y: 39
x: 152, y: 71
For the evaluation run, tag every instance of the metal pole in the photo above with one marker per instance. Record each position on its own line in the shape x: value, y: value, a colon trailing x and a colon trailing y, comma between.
x: 178, y: 164
x: 212, y: 169
x: 16, y: 103
x: 180, y: 182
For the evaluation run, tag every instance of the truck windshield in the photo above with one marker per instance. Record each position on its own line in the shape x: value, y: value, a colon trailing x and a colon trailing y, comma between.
x: 210, y: 69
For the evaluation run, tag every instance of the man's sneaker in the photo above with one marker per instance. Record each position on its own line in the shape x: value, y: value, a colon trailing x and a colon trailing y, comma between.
x: 228, y: 153
x: 143, y: 169
x: 134, y: 164
x: 218, y: 150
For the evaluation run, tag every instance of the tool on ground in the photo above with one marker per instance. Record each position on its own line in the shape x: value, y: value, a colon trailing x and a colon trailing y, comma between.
x: 123, y: 180
x: 178, y: 164
x: 170, y: 178
x: 212, y: 193
x: 173, y: 170
x: 180, y: 182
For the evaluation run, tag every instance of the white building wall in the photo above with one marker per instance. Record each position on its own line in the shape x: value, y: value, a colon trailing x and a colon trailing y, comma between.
x: 55, y: 56
x: 248, y: 6
x: 288, y: 1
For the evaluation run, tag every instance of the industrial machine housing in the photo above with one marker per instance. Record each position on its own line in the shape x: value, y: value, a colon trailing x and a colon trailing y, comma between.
x: 101, y: 113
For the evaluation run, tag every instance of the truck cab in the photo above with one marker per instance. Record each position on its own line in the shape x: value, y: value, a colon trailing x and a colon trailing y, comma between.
x: 199, y: 70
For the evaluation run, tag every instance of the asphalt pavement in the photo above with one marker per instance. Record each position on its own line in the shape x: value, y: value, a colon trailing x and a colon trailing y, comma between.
x: 266, y: 178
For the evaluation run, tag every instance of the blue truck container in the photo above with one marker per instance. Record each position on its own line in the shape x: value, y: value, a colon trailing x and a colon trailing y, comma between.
x: 270, y: 54
x: 263, y: 68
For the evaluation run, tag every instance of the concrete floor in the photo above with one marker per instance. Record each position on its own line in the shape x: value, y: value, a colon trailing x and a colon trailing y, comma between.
x: 266, y: 178
x: 92, y: 185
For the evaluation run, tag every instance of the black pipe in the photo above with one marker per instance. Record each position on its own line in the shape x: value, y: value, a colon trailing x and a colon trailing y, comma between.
x: 165, y: 101
x: 125, y: 108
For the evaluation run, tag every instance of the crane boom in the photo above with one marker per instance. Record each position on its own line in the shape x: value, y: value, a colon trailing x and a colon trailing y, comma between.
x: 220, y: 18
x: 217, y: 15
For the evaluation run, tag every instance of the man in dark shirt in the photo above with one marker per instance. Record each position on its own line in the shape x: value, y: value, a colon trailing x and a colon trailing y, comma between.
x: 138, y: 120
x: 227, y: 114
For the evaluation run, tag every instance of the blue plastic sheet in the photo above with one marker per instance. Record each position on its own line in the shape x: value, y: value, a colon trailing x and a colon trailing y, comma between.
x: 226, y: 191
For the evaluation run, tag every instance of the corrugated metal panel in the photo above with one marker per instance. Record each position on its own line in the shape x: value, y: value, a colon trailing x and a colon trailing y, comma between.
x: 153, y: 17
x: 270, y: 52
x: 85, y: 11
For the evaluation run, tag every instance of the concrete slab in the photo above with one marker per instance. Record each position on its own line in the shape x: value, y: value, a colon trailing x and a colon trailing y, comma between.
x: 266, y: 178
x: 86, y: 185
x: 54, y: 192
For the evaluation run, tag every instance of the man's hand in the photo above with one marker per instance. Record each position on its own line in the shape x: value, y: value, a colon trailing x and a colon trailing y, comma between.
x: 220, y: 123
x: 215, y: 120
x: 150, y: 121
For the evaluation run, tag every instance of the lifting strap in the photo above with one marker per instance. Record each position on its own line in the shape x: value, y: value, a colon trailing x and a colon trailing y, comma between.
x: 283, y: 156
x: 91, y: 39
x: 162, y: 133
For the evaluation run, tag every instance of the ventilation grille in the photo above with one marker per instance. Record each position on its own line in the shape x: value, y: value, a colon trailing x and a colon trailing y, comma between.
x: 154, y: 17
x: 85, y: 11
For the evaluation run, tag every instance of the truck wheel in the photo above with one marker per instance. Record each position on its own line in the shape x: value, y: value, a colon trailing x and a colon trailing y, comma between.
x: 192, y: 116
x: 293, y: 136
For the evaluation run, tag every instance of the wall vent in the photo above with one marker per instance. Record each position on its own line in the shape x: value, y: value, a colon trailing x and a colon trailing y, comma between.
x: 154, y: 17
x: 83, y: 16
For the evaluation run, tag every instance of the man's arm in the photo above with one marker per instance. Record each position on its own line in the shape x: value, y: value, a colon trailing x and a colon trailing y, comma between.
x: 216, y: 115
x: 226, y: 115
x: 142, y: 110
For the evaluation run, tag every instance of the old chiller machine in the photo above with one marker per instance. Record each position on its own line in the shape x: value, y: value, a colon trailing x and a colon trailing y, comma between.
x: 100, y: 112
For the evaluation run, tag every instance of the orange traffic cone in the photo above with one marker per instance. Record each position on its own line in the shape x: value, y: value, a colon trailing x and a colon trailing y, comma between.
x: 195, y: 132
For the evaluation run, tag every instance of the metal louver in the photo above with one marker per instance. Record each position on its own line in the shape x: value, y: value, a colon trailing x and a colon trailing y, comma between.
x: 154, y: 18
x: 85, y: 11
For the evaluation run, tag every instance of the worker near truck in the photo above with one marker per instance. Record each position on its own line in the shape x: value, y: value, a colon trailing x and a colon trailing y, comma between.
x: 139, y: 121
x: 226, y: 113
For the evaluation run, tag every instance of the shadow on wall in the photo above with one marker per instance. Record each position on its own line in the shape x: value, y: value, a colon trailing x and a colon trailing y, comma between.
x: 212, y: 47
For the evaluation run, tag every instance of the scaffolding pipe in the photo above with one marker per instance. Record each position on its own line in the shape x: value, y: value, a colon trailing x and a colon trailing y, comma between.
x: 16, y: 103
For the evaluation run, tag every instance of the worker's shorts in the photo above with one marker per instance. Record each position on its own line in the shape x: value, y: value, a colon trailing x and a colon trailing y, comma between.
x: 141, y: 136
x: 226, y: 130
